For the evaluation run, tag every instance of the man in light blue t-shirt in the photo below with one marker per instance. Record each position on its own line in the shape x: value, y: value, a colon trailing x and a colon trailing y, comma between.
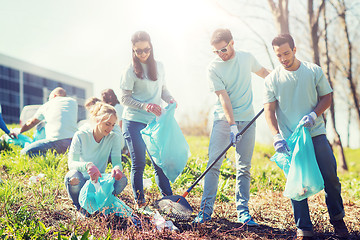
x: 60, y: 115
x: 229, y: 76
x: 298, y: 93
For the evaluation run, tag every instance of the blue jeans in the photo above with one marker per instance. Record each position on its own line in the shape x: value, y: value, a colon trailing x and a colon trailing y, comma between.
x: 327, y: 165
x: 74, y: 190
x: 219, y: 140
x: 137, y: 149
x: 40, y: 147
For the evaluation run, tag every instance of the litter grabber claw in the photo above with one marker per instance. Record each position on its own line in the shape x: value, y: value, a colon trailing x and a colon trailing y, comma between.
x: 177, y: 206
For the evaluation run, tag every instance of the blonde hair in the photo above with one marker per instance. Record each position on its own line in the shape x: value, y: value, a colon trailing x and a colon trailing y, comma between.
x: 101, y: 110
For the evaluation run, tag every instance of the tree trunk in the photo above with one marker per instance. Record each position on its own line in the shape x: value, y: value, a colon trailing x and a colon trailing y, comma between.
x: 314, y: 28
x: 281, y: 15
x: 337, y: 139
x: 353, y: 90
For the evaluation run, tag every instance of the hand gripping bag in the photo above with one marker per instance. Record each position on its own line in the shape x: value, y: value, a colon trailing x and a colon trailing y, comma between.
x: 99, y: 198
x: 21, y: 141
x: 166, y: 143
x: 303, y: 175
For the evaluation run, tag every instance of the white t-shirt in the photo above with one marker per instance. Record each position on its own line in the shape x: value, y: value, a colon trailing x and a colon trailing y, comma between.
x: 297, y: 93
x: 60, y: 115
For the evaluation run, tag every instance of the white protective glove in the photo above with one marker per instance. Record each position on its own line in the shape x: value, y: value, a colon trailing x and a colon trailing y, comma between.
x: 308, y: 121
x: 234, y: 139
x: 281, y: 145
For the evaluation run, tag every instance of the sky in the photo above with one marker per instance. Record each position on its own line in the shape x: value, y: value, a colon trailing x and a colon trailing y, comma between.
x: 90, y: 40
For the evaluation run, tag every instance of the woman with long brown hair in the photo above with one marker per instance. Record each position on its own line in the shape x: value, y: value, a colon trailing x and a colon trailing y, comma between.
x: 143, y: 90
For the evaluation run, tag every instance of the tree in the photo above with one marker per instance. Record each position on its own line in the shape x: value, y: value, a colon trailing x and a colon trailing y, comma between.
x: 281, y: 15
x: 337, y: 139
x: 340, y: 7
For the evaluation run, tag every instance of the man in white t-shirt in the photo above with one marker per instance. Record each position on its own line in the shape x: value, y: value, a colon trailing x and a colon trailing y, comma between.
x: 229, y: 76
x: 297, y: 92
x: 60, y: 114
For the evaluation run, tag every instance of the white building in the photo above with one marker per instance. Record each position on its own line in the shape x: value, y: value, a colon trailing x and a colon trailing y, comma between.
x: 22, y: 83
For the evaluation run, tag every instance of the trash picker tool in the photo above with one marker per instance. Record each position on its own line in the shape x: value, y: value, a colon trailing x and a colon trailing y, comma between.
x: 177, y: 206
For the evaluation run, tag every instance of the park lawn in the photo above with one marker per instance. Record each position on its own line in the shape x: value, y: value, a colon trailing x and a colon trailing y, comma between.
x: 43, y: 211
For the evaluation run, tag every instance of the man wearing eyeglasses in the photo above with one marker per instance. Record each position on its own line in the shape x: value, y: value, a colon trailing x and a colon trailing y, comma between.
x: 229, y: 76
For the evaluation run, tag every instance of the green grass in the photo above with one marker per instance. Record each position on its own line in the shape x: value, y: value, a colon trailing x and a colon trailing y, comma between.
x: 26, y: 207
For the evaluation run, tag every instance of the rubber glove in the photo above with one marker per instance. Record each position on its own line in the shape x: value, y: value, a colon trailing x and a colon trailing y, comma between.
x: 93, y: 172
x: 153, y: 108
x: 173, y: 101
x: 116, y: 173
x: 281, y: 145
x: 234, y: 139
x: 308, y: 121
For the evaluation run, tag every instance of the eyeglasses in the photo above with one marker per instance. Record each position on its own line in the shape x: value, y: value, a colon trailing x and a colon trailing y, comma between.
x: 223, y: 50
x: 141, y: 51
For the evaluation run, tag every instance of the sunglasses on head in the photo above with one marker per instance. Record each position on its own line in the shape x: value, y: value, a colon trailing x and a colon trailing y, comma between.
x: 140, y: 51
x: 223, y: 50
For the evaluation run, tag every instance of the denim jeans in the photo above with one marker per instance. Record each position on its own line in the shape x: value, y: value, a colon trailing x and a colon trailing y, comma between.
x: 74, y: 190
x: 40, y: 147
x: 219, y: 140
x: 327, y: 165
x: 137, y: 149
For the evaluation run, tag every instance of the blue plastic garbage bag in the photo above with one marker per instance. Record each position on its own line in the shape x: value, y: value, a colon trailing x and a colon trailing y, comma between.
x: 40, y: 132
x: 100, y: 198
x: 166, y: 143
x: 21, y: 141
x: 303, y: 175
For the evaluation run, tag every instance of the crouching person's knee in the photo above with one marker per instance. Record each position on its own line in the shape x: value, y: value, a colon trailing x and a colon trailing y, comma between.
x: 120, y: 185
x: 74, y: 179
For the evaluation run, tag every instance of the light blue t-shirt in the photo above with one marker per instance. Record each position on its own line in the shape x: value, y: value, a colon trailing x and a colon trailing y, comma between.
x: 143, y: 90
x: 234, y: 76
x: 297, y: 93
x: 84, y: 149
x: 60, y: 115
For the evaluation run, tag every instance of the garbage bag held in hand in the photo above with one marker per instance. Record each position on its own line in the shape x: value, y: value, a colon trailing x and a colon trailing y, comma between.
x: 303, y: 175
x: 166, y: 143
x: 21, y: 141
x: 101, y: 199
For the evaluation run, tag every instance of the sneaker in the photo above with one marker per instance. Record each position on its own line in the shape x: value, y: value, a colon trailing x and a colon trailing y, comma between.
x: 201, y: 218
x: 246, y: 219
x: 340, y: 228
x: 82, y: 214
x: 146, y: 210
x: 136, y: 221
x: 304, y: 238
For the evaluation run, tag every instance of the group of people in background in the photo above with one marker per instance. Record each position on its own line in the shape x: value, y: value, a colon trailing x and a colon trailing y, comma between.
x: 295, y: 91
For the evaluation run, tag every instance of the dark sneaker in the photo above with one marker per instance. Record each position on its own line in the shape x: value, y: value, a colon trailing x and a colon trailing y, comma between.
x: 340, y: 228
x: 136, y: 221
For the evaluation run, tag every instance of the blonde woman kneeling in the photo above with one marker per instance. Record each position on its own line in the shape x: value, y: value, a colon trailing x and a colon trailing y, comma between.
x: 90, y: 150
